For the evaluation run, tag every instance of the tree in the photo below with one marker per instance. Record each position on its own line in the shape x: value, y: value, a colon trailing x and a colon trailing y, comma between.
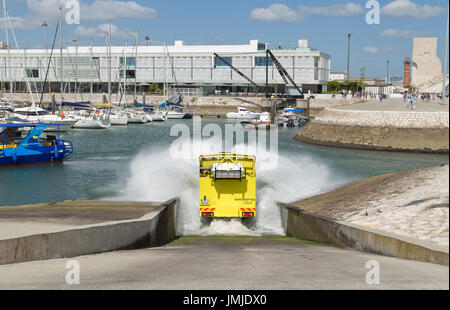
x: 334, y: 86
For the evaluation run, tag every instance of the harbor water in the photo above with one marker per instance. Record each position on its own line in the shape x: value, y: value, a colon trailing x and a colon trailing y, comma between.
x: 135, y: 163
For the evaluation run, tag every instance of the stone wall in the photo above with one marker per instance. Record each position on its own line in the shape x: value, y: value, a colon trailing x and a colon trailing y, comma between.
x: 379, y: 130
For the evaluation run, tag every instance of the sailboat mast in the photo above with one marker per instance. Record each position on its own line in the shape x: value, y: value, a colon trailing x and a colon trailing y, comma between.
x: 109, y: 63
x: 8, y: 72
x: 61, y: 53
x: 135, y: 66
x: 90, y: 69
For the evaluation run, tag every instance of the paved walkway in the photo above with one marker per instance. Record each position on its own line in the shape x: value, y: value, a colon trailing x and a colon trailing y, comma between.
x: 51, y: 217
x: 226, y: 263
x: 397, y: 104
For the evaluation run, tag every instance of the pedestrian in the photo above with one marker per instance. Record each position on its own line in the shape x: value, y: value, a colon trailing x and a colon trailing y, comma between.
x: 381, y: 97
x: 413, y: 103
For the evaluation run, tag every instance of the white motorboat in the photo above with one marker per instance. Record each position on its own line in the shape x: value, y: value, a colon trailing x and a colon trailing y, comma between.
x: 175, y: 115
x: 39, y: 115
x: 243, y: 113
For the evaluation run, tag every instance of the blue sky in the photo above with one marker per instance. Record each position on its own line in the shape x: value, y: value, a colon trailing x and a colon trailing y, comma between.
x: 279, y: 22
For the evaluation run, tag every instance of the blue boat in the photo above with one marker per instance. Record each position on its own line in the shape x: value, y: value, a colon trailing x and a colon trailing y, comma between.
x: 15, y: 150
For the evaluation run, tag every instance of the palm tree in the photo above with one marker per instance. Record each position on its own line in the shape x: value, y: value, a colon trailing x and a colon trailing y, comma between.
x: 147, y: 38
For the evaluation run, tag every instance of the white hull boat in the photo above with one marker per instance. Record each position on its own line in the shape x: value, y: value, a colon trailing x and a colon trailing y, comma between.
x: 243, y: 114
x: 86, y: 123
x: 159, y: 117
x: 118, y: 120
x: 137, y: 118
x: 175, y: 115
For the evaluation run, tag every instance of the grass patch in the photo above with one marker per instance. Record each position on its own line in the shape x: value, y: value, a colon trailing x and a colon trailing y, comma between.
x: 291, y: 239
x: 186, y: 239
x: 225, y: 238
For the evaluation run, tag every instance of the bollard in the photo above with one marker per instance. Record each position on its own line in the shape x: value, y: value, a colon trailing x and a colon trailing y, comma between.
x: 53, y: 103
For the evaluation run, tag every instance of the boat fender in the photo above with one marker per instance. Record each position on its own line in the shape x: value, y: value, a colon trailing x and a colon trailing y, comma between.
x: 14, y: 155
x: 56, y: 154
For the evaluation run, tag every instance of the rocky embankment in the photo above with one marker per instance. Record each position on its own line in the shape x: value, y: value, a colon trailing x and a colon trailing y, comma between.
x: 411, y: 131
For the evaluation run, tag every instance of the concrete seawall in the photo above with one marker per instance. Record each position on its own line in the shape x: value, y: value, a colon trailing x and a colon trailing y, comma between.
x: 304, y: 225
x: 155, y: 228
x: 414, y: 131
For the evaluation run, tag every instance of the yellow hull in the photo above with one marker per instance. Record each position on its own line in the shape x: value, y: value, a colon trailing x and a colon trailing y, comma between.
x: 227, y: 186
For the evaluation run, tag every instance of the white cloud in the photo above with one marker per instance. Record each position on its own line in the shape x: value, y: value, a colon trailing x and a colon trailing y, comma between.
x: 100, y: 31
x: 275, y: 13
x: 407, y: 8
x: 98, y: 10
x: 371, y: 49
x: 103, y: 10
x: 278, y: 12
x: 19, y: 23
x: 347, y: 9
x: 395, y: 33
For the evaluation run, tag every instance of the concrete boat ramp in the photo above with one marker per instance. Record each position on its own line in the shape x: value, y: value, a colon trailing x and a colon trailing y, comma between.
x: 128, y: 245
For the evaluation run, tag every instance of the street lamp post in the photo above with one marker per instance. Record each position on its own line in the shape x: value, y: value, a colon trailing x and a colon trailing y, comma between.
x: 349, y: 35
x: 387, y: 72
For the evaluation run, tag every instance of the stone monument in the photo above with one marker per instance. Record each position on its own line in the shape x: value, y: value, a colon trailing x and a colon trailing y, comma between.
x: 426, y: 66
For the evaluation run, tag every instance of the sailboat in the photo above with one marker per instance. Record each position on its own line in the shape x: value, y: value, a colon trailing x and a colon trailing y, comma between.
x: 176, y: 110
x: 32, y: 113
x: 92, y: 119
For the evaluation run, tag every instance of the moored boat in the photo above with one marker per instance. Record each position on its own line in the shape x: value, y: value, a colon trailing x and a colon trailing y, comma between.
x: 31, y: 149
x: 242, y: 113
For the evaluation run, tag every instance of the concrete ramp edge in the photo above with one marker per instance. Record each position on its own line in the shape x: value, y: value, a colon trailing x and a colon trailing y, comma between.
x: 307, y: 226
x: 153, y: 229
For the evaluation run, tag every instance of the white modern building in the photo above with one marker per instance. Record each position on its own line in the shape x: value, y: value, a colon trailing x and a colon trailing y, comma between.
x: 186, y: 65
x: 338, y: 76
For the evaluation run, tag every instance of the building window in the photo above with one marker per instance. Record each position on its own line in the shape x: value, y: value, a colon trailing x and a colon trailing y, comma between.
x: 220, y: 63
x: 131, y: 74
x: 32, y: 73
x: 261, y: 61
x: 261, y: 46
x: 128, y: 61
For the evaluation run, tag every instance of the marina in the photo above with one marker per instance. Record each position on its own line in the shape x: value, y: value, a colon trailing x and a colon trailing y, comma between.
x: 220, y: 162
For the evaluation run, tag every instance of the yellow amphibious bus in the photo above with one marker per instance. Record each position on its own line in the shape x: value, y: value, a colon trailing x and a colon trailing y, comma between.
x: 227, y: 186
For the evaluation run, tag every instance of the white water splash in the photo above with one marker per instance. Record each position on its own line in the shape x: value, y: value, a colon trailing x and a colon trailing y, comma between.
x: 155, y: 176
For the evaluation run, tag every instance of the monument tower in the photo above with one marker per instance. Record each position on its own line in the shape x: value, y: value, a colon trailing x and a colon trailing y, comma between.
x: 407, y: 72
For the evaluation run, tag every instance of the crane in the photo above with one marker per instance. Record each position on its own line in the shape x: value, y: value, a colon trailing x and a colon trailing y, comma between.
x: 237, y: 71
x: 283, y: 73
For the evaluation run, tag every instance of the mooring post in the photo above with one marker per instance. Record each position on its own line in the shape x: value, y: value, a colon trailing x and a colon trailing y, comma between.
x: 272, y: 109
x: 308, y: 104
x: 53, y: 103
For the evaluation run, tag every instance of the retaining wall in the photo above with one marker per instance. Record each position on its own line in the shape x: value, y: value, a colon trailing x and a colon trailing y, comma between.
x: 425, y: 132
x: 303, y: 225
x: 154, y: 229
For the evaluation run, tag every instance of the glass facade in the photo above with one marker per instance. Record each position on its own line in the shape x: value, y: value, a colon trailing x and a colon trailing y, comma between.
x: 32, y: 73
x: 128, y: 61
x: 220, y: 63
x: 261, y: 61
